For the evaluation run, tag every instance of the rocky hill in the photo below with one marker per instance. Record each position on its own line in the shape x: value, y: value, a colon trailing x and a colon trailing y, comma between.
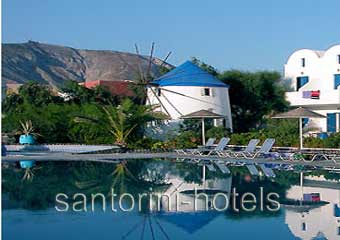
x: 54, y: 64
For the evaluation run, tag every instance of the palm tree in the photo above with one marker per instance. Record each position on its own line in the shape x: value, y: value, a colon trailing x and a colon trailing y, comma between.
x: 27, y: 129
x: 124, y: 120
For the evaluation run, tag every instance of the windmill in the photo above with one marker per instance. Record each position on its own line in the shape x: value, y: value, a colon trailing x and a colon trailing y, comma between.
x: 144, y: 78
x: 183, y: 90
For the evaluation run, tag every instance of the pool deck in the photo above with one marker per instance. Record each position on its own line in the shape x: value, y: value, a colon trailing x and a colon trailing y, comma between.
x: 116, y: 157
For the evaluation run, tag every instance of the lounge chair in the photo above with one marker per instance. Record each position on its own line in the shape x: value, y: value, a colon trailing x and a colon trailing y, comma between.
x: 217, y: 150
x: 250, y: 148
x: 264, y: 150
x: 209, y: 144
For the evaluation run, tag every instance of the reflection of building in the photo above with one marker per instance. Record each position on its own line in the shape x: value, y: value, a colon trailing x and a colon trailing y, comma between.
x: 315, y: 80
x: 318, y: 222
x: 186, y: 217
x: 185, y: 192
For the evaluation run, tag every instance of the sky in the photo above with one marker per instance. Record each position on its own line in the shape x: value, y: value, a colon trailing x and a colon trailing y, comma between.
x: 239, y: 34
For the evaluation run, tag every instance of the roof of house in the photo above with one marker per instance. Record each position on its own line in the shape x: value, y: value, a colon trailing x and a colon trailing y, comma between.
x: 117, y: 87
x: 189, y: 74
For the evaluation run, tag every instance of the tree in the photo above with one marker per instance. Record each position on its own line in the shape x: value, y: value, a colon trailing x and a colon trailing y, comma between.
x: 81, y: 95
x: 122, y: 122
x: 206, y: 67
x: 253, y: 95
x: 38, y: 94
x: 31, y: 93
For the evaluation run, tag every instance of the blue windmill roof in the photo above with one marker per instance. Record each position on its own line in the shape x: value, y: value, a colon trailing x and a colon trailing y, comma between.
x: 189, y: 221
x: 189, y: 74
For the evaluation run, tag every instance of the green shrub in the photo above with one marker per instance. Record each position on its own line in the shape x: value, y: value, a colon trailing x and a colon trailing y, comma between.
x: 186, y: 139
x: 217, y: 132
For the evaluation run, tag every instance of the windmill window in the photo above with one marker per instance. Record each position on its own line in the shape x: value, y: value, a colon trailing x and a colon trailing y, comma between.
x: 206, y: 92
x: 303, y: 62
x: 338, y: 59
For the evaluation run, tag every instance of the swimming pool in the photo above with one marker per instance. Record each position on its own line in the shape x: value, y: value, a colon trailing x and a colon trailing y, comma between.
x: 31, y: 209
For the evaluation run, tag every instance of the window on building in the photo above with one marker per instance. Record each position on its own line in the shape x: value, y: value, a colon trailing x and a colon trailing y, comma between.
x: 206, y: 92
x: 301, y: 81
x: 336, y: 81
x: 303, y: 62
x: 331, y: 122
x: 305, y: 121
x: 159, y: 92
x: 338, y: 59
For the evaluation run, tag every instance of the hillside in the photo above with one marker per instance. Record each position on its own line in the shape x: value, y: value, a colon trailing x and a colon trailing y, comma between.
x: 52, y: 64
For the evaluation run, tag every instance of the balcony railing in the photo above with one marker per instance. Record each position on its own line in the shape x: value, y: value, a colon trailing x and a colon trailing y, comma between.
x: 327, y: 97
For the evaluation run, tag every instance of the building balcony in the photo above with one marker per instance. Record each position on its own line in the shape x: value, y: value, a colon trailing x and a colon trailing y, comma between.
x: 326, y: 97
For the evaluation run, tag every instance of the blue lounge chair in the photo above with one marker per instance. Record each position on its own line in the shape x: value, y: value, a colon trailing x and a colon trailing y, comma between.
x: 250, y: 148
x: 217, y: 150
x: 264, y: 150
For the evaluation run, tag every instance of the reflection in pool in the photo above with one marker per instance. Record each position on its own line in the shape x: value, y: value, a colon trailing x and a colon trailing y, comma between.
x: 29, y: 205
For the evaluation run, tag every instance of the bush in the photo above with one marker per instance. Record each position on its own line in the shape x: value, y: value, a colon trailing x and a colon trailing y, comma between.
x: 217, y: 132
x: 186, y: 139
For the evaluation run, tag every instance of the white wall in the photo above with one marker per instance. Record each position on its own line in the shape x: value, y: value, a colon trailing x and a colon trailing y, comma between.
x: 320, y: 67
x: 189, y: 99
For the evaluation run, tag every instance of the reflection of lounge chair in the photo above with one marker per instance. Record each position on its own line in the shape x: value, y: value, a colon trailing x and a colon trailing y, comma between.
x: 211, y: 168
x: 322, y: 157
x: 217, y: 150
x: 224, y: 169
x: 267, y: 171
x: 264, y: 150
x: 252, y: 169
x: 209, y: 144
x: 306, y: 157
x: 250, y: 148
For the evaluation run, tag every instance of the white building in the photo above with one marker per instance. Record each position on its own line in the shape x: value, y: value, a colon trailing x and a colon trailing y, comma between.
x: 315, y: 83
x: 188, y: 89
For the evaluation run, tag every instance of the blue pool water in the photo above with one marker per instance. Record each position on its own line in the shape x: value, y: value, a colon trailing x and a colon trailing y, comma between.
x: 29, y: 204
x: 48, y: 224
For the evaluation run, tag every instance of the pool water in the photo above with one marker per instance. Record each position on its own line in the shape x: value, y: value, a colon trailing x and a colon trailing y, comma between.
x: 30, y: 210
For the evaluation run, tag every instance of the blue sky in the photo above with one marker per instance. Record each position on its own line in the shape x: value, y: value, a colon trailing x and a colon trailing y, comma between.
x: 242, y: 34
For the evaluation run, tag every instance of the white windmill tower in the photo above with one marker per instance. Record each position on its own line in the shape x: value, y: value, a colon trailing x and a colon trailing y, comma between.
x: 188, y: 89
x: 184, y: 90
